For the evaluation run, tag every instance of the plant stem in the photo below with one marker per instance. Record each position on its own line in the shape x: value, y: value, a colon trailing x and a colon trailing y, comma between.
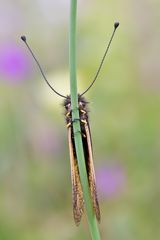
x: 76, y: 124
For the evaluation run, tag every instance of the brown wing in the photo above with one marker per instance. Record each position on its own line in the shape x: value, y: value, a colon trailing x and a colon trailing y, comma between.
x: 91, y: 174
x: 77, y: 194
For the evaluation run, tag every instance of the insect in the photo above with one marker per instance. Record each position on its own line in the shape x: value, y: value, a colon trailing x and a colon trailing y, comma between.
x: 77, y: 192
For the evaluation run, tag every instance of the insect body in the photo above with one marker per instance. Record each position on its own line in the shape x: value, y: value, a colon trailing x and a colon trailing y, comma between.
x: 78, y: 201
x: 77, y: 193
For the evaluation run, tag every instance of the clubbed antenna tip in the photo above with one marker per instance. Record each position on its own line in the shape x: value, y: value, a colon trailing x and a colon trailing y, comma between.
x: 23, y: 38
x: 116, y: 24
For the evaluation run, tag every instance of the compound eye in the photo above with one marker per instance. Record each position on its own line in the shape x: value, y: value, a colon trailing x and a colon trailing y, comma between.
x: 81, y: 104
x: 68, y: 106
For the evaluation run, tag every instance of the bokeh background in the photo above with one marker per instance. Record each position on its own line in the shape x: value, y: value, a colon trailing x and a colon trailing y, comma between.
x: 35, y: 186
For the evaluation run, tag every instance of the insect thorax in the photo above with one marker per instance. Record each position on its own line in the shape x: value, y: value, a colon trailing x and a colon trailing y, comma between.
x: 83, y: 110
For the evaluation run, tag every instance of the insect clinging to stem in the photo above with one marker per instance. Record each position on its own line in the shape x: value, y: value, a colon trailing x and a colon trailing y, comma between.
x: 77, y: 191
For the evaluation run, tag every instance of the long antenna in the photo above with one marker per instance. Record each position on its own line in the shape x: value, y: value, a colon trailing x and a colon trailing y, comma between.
x: 40, y: 68
x: 116, y: 24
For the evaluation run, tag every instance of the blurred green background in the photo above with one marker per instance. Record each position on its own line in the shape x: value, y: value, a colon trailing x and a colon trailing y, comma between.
x: 35, y: 186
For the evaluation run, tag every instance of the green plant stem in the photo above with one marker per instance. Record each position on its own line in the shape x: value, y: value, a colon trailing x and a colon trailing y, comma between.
x: 76, y: 124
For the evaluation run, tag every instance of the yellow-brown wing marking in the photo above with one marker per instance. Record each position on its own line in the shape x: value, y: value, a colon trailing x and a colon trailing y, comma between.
x: 91, y: 175
x: 77, y: 194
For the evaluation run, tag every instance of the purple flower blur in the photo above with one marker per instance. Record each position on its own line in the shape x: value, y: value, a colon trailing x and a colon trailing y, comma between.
x: 111, y: 180
x: 14, y: 63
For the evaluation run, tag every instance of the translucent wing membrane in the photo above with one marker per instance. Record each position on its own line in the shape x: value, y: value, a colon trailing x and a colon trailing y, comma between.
x: 77, y: 194
x: 91, y: 173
